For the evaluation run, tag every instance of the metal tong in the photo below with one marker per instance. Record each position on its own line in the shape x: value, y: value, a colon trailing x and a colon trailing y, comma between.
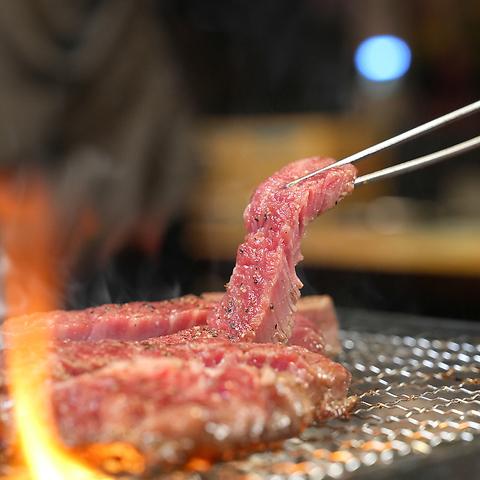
x: 403, y: 137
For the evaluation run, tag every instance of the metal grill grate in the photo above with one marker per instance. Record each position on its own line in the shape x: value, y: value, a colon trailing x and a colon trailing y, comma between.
x: 417, y: 394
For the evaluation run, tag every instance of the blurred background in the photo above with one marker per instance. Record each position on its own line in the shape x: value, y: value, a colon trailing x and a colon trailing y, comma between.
x: 158, y: 118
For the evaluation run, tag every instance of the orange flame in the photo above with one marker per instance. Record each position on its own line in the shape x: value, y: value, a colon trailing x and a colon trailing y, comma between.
x: 33, y: 280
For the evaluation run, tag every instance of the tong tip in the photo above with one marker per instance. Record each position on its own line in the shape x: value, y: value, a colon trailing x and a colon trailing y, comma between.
x: 312, y: 174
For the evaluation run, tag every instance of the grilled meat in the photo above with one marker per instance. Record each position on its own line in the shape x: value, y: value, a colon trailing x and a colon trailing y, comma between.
x: 263, y: 290
x: 174, y: 401
x: 315, y: 325
x: 211, y: 374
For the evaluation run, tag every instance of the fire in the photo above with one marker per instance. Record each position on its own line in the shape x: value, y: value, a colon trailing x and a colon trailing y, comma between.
x: 33, y: 281
x: 44, y: 455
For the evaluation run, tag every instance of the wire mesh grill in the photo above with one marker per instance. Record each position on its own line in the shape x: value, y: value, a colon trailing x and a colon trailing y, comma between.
x: 416, y: 394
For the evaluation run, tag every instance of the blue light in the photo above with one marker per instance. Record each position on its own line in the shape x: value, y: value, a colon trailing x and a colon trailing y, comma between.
x: 382, y: 58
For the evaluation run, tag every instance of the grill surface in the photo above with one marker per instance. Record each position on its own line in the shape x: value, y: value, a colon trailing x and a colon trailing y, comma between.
x: 418, y: 409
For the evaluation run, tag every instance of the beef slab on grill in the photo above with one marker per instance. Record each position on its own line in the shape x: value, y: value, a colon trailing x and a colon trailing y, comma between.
x: 175, y: 401
x: 315, y: 323
x: 208, y: 389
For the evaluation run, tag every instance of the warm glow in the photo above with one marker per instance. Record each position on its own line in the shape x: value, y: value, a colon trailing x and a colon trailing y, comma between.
x: 44, y: 455
x: 33, y: 248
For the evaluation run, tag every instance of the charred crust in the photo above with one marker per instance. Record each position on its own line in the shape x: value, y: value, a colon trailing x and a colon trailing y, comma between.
x: 230, y: 307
